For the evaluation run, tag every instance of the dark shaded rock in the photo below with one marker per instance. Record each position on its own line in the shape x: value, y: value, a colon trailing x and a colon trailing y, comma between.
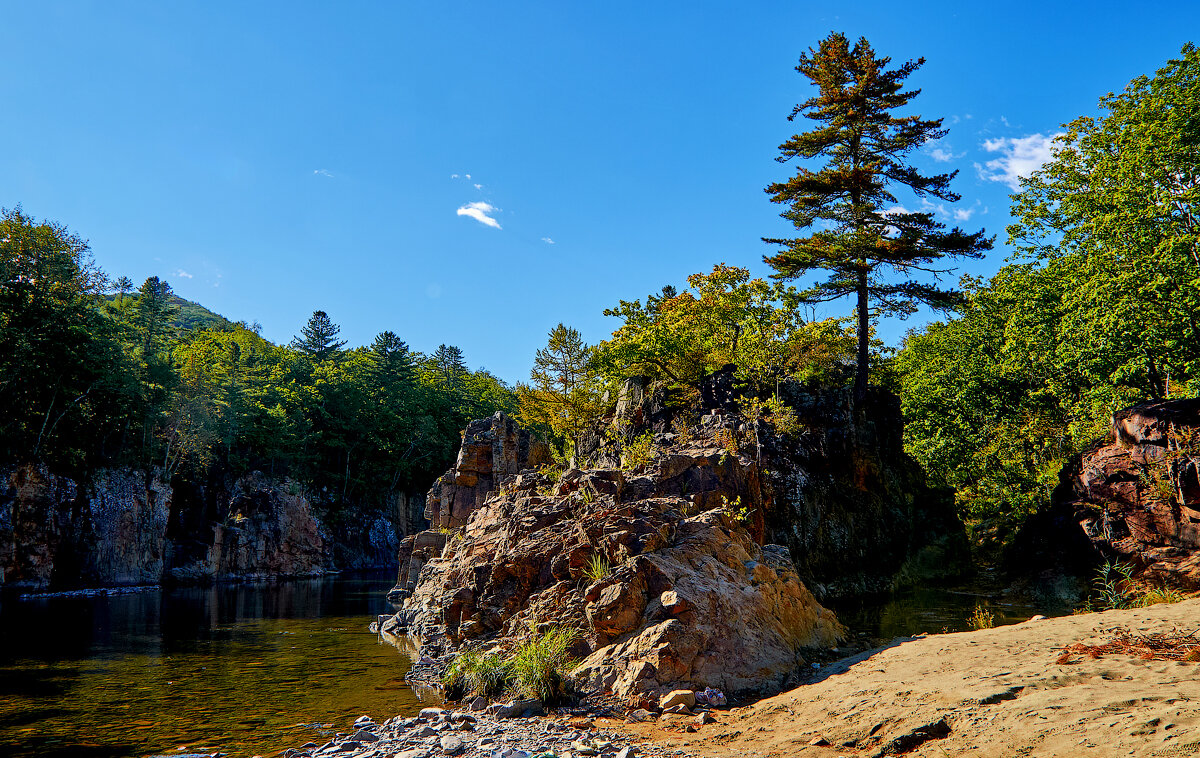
x: 1133, y: 498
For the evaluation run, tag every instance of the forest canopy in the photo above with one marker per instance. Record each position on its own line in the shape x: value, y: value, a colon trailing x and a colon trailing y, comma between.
x: 100, y: 375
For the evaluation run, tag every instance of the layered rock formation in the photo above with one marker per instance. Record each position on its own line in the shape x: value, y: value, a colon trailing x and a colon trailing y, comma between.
x: 126, y: 526
x: 666, y: 568
x: 1134, y: 498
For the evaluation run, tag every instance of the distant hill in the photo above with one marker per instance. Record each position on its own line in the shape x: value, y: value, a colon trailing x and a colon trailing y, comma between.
x: 193, y: 315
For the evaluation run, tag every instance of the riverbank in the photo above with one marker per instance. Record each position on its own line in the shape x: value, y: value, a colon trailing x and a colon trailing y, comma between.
x: 994, y: 692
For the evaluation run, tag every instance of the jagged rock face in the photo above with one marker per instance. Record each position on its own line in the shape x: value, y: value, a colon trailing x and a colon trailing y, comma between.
x: 853, y: 507
x: 128, y: 513
x: 692, y: 599
x: 1134, y: 498
x: 35, y: 514
x: 491, y: 448
x: 112, y: 533
x: 268, y: 530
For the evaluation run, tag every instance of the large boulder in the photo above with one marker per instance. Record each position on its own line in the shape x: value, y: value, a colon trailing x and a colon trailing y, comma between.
x: 1134, y: 497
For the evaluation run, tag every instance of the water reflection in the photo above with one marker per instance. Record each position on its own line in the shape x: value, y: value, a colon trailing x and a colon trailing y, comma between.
x: 243, y: 669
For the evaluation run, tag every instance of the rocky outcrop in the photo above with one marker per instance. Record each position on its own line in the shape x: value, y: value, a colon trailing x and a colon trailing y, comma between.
x: 35, y: 518
x: 666, y: 590
x: 1134, y: 498
x: 268, y: 531
x: 670, y: 568
x: 853, y: 507
x: 491, y: 448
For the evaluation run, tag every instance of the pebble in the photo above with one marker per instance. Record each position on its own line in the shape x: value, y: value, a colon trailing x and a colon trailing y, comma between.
x: 434, y: 733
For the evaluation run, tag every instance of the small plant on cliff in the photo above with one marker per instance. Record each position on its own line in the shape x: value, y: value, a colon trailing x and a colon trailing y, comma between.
x: 981, y: 618
x: 540, y: 664
x: 727, y: 439
x: 740, y: 513
x: 683, y: 431
x: 638, y: 451
x: 596, y: 568
x: 477, y: 673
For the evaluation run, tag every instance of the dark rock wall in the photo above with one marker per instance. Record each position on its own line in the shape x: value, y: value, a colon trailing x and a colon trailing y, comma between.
x: 129, y: 527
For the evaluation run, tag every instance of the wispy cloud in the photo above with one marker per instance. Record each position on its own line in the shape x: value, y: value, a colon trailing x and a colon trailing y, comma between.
x: 182, y: 274
x: 478, y: 186
x: 941, y: 155
x: 1019, y: 157
x: 323, y: 172
x: 479, y: 212
x: 547, y: 240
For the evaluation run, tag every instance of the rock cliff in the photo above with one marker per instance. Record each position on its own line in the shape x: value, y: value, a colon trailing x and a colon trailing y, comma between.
x: 125, y: 527
x: 1134, y: 497
x: 667, y: 566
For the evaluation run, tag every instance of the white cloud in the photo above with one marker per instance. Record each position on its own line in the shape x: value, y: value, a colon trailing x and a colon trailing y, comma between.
x: 547, y: 240
x: 963, y: 214
x: 454, y: 176
x: 182, y: 274
x: 322, y: 172
x: 943, y: 156
x: 1019, y: 157
x: 479, y: 212
x: 478, y: 186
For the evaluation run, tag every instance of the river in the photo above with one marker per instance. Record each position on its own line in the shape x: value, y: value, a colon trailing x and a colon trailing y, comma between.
x: 253, y: 669
x: 243, y: 669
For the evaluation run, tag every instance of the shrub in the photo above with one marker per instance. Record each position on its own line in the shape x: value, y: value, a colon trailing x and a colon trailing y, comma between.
x: 637, y: 451
x: 477, y: 673
x: 981, y: 618
x: 540, y: 664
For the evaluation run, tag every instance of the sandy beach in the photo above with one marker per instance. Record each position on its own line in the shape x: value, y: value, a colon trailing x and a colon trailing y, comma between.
x: 993, y: 692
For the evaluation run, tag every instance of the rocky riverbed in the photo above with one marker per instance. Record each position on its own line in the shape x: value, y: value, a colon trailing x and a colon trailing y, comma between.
x: 510, y: 730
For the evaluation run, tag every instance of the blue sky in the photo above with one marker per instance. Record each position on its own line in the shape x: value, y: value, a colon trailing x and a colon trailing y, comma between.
x: 473, y: 173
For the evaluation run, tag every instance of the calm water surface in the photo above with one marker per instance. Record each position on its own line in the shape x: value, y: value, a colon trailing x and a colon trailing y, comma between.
x: 242, y: 669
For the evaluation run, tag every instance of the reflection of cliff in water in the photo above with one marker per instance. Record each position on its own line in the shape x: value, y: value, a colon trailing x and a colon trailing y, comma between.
x: 243, y: 669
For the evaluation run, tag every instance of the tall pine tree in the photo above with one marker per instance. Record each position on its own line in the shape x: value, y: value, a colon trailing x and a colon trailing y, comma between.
x: 318, y: 339
x: 872, y: 248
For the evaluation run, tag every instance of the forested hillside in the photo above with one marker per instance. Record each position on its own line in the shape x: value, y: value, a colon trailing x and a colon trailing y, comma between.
x: 95, y: 374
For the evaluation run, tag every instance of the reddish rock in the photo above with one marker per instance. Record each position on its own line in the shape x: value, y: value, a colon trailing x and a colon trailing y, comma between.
x: 1134, y: 498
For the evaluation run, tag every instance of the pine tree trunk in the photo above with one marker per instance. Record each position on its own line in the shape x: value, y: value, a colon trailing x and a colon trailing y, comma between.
x: 864, y: 337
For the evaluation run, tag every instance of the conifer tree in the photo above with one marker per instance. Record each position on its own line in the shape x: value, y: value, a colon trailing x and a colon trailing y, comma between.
x: 872, y: 248
x: 564, y: 394
x: 318, y: 339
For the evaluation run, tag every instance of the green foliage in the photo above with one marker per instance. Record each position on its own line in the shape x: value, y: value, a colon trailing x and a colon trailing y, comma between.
x: 596, y: 568
x: 863, y: 237
x: 563, y: 399
x: 637, y: 451
x: 541, y: 663
x: 90, y: 379
x: 1099, y: 315
x: 478, y: 673
x: 724, y: 317
x: 981, y: 618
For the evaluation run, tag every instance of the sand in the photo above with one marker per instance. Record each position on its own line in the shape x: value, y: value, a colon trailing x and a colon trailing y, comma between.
x: 995, y: 692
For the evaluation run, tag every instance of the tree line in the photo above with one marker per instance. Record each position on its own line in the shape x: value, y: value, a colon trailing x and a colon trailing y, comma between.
x: 94, y: 374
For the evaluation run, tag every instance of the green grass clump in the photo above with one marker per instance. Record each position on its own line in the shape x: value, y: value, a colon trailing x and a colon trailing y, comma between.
x: 540, y: 664
x: 1115, y: 589
x: 981, y: 618
x: 477, y: 673
x: 596, y: 568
